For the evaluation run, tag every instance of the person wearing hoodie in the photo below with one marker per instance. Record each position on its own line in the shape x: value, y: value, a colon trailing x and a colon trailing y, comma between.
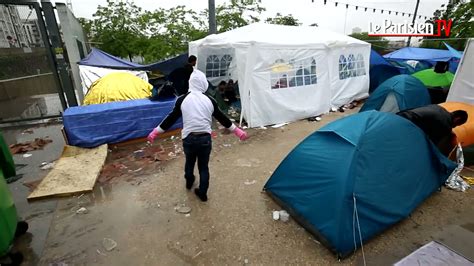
x: 197, y: 110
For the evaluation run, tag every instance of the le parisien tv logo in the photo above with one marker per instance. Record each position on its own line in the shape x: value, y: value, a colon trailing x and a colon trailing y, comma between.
x: 389, y: 29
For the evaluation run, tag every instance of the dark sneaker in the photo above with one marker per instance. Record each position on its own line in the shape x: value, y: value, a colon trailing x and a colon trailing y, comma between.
x: 202, y: 197
x: 189, y: 183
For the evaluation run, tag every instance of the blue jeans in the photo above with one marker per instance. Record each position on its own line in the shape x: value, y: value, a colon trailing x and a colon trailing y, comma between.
x: 198, y: 147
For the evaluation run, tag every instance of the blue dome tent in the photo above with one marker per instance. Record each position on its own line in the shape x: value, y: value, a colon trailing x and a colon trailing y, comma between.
x: 358, y: 176
x: 398, y: 93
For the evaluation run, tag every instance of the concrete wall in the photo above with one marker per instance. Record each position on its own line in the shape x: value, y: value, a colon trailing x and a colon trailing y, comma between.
x: 27, y: 86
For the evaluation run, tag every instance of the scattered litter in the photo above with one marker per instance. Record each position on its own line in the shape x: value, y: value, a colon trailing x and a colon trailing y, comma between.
x: 12, y: 179
x: 246, y: 261
x: 187, y: 215
x: 26, y: 155
x: 24, y: 147
x: 183, y: 209
x: 245, y: 127
x: 333, y: 109
x: 276, y: 215
x: 454, y: 181
x: 279, y: 125
x: 138, y: 153
x: 317, y: 242
x: 46, y: 166
x: 341, y: 109
x: 313, y: 119
x: 136, y: 170
x: 284, y: 216
x: 226, y: 145
x: 172, y: 137
x: 82, y: 210
x: 195, y: 256
x: 109, y: 244
x: 250, y: 182
x: 469, y: 180
x: 262, y: 127
x: 27, y: 131
x: 100, y: 253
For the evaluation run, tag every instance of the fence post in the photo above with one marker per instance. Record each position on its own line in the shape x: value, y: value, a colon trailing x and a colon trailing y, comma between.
x: 57, y: 45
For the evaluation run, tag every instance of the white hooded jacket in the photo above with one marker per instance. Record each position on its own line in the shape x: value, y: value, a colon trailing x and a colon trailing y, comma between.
x: 196, y: 108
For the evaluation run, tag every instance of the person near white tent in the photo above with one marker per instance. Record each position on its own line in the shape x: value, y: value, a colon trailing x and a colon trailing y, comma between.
x: 197, y: 110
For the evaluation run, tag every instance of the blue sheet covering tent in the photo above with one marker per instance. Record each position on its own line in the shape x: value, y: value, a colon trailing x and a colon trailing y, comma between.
x: 380, y: 70
x: 168, y: 65
x: 424, y: 54
x: 389, y: 168
x: 398, y: 93
x: 99, y: 58
x: 93, y: 125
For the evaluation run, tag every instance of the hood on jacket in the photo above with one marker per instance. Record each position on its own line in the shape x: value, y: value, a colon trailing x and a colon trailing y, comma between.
x: 198, y: 82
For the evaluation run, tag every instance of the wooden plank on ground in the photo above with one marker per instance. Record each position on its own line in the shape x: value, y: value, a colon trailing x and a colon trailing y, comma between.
x: 75, y: 172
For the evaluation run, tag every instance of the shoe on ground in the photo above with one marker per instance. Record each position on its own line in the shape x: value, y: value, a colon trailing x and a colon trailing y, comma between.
x: 202, y: 197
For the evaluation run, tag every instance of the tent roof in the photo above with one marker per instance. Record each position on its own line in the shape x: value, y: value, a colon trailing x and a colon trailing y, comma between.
x: 168, y: 65
x: 99, y: 58
x: 377, y: 59
x: 263, y: 33
x: 415, y: 53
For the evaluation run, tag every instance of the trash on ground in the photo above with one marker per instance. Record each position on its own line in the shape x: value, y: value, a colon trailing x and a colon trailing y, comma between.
x: 284, y: 216
x: 46, y: 166
x: 279, y: 125
x: 262, y: 127
x: 27, y: 131
x: 109, y: 244
x: 455, y: 181
x: 333, y: 109
x: 469, y: 180
x: 135, y: 171
x: 26, y: 155
x: 187, y: 215
x: 82, y: 210
x: 245, y: 127
x: 24, y: 147
x: 246, y: 261
x: 250, y: 182
x: 226, y: 145
x: 197, y: 254
x: 276, y: 215
x: 315, y: 118
x: 183, y: 209
x: 12, y: 179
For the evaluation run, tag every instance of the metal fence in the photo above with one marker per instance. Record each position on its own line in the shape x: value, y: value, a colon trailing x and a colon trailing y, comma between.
x: 32, y: 80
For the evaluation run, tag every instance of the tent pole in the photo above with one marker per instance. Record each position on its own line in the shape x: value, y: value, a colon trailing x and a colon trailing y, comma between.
x: 212, y: 17
x: 413, y: 22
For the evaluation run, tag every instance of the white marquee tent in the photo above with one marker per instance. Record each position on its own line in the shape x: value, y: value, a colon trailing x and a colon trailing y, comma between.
x: 462, y: 88
x: 286, y: 73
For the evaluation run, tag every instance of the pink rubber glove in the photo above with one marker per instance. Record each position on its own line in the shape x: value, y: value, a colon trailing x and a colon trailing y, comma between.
x: 153, y: 134
x: 241, y: 134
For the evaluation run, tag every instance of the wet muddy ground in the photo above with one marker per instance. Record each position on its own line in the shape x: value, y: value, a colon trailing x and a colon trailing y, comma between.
x: 135, y: 199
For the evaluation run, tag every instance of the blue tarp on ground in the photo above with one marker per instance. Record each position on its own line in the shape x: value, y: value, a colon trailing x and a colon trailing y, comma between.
x: 99, y: 58
x: 402, y: 91
x: 93, y: 125
x: 377, y: 163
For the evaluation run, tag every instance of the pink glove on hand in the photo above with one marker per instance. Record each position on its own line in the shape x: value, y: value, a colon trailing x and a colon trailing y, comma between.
x: 153, y: 134
x: 241, y: 134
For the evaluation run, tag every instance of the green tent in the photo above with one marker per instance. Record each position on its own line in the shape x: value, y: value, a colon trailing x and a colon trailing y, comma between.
x: 6, y: 160
x: 432, y: 79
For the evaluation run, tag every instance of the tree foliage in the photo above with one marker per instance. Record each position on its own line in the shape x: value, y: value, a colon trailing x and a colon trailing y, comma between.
x: 461, y: 13
x: 379, y: 44
x: 123, y: 29
x: 283, y: 20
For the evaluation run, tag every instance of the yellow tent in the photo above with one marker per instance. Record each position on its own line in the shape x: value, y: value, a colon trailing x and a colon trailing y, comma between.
x: 118, y: 86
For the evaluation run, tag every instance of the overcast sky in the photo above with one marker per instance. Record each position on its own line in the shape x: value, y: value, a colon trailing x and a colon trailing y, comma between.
x: 327, y: 16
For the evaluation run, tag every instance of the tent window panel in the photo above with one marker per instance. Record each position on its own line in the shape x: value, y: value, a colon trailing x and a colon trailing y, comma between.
x: 354, y: 66
x: 218, y: 66
x: 296, y: 73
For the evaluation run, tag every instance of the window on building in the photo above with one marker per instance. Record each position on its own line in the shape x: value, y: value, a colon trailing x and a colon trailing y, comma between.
x: 296, y: 73
x: 218, y: 66
x: 353, y: 66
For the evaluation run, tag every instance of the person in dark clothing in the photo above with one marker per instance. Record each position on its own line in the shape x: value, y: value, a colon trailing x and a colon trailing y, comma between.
x: 197, y: 110
x: 229, y: 92
x: 180, y: 76
x: 437, y: 123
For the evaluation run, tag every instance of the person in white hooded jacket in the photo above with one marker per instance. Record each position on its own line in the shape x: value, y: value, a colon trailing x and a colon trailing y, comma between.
x: 197, y: 110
